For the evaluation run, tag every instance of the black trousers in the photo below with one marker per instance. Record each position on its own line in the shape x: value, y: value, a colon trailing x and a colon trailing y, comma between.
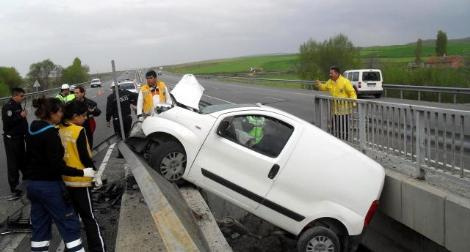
x: 127, y: 121
x: 15, y: 152
x: 81, y: 200
x: 340, y: 126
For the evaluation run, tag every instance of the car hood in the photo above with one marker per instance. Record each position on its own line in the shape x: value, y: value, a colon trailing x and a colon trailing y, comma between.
x: 188, y: 91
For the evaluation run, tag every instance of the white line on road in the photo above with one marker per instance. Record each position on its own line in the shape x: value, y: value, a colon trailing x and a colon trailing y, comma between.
x: 105, y: 160
x: 213, y: 97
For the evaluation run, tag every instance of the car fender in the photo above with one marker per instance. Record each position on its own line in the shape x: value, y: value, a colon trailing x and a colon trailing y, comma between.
x: 190, y: 141
x: 353, y: 222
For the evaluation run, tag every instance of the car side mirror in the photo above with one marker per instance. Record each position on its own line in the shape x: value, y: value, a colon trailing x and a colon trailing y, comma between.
x: 222, y: 129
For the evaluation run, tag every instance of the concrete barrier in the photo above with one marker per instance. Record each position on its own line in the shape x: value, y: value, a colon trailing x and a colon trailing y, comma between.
x: 440, y: 216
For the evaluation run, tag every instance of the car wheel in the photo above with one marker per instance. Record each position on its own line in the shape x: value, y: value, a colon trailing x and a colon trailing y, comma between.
x: 318, y: 239
x: 377, y: 95
x: 169, y: 159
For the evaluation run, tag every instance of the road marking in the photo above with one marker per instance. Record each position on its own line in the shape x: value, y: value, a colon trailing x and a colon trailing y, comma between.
x: 105, y: 160
x: 216, y: 98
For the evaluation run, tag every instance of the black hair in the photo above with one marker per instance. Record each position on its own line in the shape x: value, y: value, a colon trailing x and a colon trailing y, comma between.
x: 17, y: 91
x: 72, y: 109
x: 81, y: 88
x: 335, y: 68
x: 46, y: 106
x: 151, y: 73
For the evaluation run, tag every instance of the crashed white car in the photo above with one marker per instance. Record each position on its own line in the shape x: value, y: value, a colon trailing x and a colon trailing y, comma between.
x: 270, y: 163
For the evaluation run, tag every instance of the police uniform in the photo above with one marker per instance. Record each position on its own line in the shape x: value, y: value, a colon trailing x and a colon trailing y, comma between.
x: 14, y: 130
x: 90, y: 124
x: 126, y: 98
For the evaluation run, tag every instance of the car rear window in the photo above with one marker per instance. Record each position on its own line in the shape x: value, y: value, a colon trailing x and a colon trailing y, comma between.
x: 127, y: 86
x: 371, y: 76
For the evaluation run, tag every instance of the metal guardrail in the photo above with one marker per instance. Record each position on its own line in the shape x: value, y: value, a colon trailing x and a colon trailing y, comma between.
x: 454, y: 91
x: 32, y: 95
x: 430, y: 137
x: 172, y: 217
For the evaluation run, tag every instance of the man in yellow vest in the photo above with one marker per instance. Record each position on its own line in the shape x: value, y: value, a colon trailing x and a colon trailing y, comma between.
x: 339, y: 87
x: 151, y: 95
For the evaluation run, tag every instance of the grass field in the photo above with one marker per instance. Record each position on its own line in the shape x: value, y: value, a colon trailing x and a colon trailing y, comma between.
x: 393, y: 61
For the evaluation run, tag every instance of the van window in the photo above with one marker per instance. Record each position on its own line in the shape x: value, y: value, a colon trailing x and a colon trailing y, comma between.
x: 265, y: 135
x: 354, y: 76
x: 371, y: 76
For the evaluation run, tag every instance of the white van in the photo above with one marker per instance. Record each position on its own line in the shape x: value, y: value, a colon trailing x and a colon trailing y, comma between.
x: 270, y: 163
x: 366, y: 81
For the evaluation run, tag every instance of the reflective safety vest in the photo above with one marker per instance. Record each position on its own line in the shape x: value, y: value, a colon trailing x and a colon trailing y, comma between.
x: 147, y: 94
x: 341, y: 88
x: 69, y: 135
x: 66, y: 98
x: 257, y: 130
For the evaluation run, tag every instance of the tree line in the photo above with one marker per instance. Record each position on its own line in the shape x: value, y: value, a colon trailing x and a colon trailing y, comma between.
x: 46, y: 72
x: 315, y: 58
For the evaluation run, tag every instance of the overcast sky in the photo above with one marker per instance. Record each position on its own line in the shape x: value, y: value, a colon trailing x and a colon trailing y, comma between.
x: 143, y: 33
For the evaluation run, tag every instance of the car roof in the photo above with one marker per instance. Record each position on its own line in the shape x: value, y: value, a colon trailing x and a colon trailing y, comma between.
x: 219, y: 109
x: 349, y: 70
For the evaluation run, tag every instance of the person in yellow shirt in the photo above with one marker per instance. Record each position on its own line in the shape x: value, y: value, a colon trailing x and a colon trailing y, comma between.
x: 151, y: 94
x: 339, y: 87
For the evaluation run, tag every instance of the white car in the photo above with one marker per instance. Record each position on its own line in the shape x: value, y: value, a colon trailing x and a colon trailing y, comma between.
x: 366, y: 81
x: 269, y: 162
x: 129, y: 86
x: 95, y: 83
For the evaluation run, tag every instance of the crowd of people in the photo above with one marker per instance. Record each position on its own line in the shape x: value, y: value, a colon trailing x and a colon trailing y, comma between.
x: 53, y: 156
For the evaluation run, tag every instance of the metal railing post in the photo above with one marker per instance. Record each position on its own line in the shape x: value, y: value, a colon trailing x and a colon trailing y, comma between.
x: 420, y: 142
x: 362, y: 126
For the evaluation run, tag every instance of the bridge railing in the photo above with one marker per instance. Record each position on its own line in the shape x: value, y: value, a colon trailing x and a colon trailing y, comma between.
x: 430, y: 137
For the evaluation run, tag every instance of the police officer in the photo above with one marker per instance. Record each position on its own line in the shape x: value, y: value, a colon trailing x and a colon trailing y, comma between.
x: 64, y: 95
x: 126, y: 98
x: 15, y: 127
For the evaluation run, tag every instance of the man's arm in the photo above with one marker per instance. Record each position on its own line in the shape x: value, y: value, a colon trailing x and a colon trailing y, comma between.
x: 350, y: 90
x: 10, y: 118
x: 322, y: 86
x: 95, y: 111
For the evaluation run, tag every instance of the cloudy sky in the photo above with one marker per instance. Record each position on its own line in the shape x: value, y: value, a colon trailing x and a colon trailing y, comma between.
x: 139, y: 33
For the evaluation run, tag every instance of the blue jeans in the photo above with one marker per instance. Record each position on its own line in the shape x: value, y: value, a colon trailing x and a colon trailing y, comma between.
x: 47, y: 205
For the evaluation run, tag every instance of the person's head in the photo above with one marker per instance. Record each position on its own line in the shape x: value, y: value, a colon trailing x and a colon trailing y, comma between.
x: 17, y: 94
x: 65, y: 89
x: 48, y: 109
x: 334, y: 73
x: 75, y: 112
x: 151, y: 77
x: 79, y: 92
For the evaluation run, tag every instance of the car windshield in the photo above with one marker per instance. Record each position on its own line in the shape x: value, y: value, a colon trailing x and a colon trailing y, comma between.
x: 127, y: 86
x: 371, y: 76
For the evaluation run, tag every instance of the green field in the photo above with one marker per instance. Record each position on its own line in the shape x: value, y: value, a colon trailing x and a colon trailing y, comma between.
x: 285, y: 64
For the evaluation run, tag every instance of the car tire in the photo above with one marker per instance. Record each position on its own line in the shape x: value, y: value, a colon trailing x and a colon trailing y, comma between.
x: 378, y: 95
x: 169, y: 160
x: 318, y: 238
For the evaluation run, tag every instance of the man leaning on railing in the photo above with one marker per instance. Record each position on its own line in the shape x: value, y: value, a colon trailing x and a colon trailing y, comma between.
x: 339, y: 87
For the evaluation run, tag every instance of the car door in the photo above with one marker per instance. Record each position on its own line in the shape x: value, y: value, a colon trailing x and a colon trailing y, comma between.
x: 243, y: 154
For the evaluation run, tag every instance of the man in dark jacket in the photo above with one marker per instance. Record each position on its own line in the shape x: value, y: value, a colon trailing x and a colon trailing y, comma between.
x: 126, y: 98
x: 93, y: 111
x: 15, y: 127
